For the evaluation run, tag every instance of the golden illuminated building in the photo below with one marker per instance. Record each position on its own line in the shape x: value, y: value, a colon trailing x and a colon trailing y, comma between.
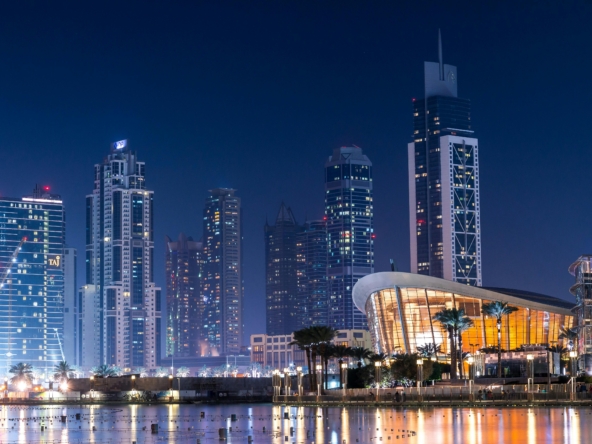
x: 400, y: 308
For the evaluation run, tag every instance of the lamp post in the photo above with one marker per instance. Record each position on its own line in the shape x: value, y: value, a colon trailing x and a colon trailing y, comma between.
x: 529, y: 374
x: 133, y: 382
x: 344, y: 377
x: 92, y: 386
x: 377, y: 377
x: 573, y: 355
x: 287, y: 381
x: 319, y: 378
x: 419, y: 377
x: 171, y: 387
x: 471, y: 362
x: 299, y: 373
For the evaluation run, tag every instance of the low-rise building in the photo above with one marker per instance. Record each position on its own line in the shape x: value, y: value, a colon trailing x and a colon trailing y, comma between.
x: 277, y: 353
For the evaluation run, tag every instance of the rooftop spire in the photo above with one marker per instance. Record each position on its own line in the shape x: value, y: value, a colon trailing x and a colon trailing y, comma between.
x: 441, y: 72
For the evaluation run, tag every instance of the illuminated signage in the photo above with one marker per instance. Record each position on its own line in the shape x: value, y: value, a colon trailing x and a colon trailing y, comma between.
x: 54, y: 261
x: 120, y: 145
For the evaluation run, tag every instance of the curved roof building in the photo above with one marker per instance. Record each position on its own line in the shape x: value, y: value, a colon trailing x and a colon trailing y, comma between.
x: 400, y: 308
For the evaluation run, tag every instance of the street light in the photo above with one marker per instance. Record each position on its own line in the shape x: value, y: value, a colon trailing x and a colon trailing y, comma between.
x: 377, y: 373
x: 573, y: 355
x: 287, y: 381
x: 299, y: 371
x: 92, y: 386
x: 133, y: 382
x: 320, y: 378
x: 530, y: 372
x: 344, y: 377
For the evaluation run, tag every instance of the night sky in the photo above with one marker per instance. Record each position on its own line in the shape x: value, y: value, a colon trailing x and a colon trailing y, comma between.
x: 255, y: 96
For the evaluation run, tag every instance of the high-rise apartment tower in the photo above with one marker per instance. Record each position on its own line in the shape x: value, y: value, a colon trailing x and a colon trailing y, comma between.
x: 184, y: 261
x: 350, y: 234
x: 120, y: 298
x: 281, y: 280
x: 444, y: 219
x: 222, y: 276
x: 32, y: 240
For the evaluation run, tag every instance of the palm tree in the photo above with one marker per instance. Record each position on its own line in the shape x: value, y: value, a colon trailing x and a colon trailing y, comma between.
x: 360, y: 354
x: 161, y: 371
x: 340, y: 352
x: 446, y: 319
x: 183, y: 372
x: 22, y: 373
x: 141, y: 371
x: 103, y: 371
x: 303, y: 339
x: 498, y: 309
x: 429, y: 350
x: 461, y: 324
x: 322, y: 336
x: 63, y: 372
x: 377, y: 357
x: 570, y: 334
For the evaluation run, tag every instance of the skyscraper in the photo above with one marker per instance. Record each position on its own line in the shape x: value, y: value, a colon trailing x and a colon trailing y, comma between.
x: 222, y: 277
x: 350, y: 233
x: 126, y: 304
x: 281, y: 284
x: 184, y: 260
x: 444, y: 216
x: 71, y: 343
x: 32, y: 239
x: 311, y: 258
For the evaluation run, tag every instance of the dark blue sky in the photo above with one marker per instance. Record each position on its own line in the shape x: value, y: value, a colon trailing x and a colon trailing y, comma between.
x: 255, y: 95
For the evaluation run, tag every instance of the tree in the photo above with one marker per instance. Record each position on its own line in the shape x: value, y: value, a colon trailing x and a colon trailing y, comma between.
x: 322, y: 336
x: 498, y: 309
x: 183, y: 372
x: 404, y: 367
x: 428, y: 350
x: 360, y: 354
x: 103, y: 371
x: 445, y: 318
x: 21, y: 373
x: 461, y: 324
x: 340, y: 352
x: 63, y: 372
x: 570, y: 334
x: 141, y: 371
x: 303, y: 339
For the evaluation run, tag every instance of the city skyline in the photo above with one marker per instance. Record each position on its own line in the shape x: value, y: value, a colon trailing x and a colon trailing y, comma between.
x: 266, y: 130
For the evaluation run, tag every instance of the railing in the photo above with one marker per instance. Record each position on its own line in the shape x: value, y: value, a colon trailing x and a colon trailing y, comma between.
x: 507, y: 394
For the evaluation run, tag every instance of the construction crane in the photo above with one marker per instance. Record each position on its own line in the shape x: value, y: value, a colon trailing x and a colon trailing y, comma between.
x: 12, y: 259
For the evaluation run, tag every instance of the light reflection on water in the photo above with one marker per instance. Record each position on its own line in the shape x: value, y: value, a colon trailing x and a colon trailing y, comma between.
x: 335, y: 425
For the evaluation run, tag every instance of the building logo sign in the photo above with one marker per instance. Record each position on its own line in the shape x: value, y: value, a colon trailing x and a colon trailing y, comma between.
x: 120, y: 145
x: 54, y: 261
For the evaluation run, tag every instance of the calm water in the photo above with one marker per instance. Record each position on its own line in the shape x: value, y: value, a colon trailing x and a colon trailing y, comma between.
x: 182, y: 424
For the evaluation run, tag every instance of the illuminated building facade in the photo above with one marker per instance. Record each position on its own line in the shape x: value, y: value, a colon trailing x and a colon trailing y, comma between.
x: 311, y: 257
x: 32, y: 287
x: 443, y: 162
x: 222, y: 274
x: 582, y: 290
x: 350, y: 234
x: 72, y: 344
x: 400, y: 308
x: 125, y: 310
x: 183, y: 268
x: 281, y: 277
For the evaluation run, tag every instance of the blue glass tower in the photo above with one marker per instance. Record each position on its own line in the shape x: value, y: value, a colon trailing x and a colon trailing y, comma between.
x: 32, y: 287
x: 350, y: 234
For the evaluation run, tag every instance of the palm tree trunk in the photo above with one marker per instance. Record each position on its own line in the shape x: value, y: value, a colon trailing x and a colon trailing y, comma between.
x: 307, y: 351
x: 499, y: 347
x: 314, y: 370
x: 460, y: 353
x: 340, y: 373
x: 452, y: 354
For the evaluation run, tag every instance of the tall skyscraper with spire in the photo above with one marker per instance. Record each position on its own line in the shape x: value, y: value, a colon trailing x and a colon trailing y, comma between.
x: 222, y: 273
x: 121, y: 304
x: 281, y: 274
x: 444, y: 215
x: 350, y: 232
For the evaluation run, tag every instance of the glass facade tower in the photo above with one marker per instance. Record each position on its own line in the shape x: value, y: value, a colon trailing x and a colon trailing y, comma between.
x: 222, y: 277
x: 184, y: 261
x: 311, y: 258
x: 126, y: 305
x: 32, y: 280
x: 350, y: 234
x: 281, y: 277
x: 444, y: 212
